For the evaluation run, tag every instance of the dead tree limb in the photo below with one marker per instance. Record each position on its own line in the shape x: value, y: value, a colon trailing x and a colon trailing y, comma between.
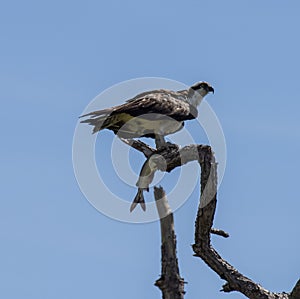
x: 168, y: 158
x: 140, y: 146
x: 295, y: 294
x: 202, y: 247
x: 170, y: 282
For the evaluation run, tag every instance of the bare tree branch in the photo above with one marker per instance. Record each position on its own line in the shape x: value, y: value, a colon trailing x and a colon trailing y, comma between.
x: 166, y: 158
x: 170, y: 282
x: 202, y: 247
x: 140, y: 146
x: 219, y: 232
x: 295, y: 294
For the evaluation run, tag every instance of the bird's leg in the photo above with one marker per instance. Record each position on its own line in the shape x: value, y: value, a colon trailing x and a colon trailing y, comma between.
x: 159, y: 141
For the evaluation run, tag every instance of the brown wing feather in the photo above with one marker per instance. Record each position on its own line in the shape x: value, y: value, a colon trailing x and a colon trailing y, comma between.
x: 158, y: 102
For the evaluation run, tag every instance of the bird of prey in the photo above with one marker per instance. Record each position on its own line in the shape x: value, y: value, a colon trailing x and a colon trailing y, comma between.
x: 153, y: 114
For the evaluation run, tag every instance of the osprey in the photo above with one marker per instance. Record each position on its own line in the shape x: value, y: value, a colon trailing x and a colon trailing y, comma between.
x: 153, y: 114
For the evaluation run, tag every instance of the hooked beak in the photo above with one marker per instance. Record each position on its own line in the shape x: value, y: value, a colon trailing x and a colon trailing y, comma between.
x: 211, y: 89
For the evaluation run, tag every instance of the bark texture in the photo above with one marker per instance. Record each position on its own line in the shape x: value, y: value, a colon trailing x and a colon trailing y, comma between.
x: 166, y: 158
x: 170, y: 282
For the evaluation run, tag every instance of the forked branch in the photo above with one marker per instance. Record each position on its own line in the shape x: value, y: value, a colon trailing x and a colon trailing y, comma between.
x: 168, y: 158
x: 203, y: 249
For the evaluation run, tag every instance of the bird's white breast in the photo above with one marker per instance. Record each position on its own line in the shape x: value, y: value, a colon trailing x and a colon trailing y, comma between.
x: 162, y: 126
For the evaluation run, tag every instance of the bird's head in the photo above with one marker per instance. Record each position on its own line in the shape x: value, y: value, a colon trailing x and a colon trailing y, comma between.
x: 198, y: 91
x: 203, y: 88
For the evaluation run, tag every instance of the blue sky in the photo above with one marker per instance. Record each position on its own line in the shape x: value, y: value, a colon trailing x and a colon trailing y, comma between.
x: 57, y: 56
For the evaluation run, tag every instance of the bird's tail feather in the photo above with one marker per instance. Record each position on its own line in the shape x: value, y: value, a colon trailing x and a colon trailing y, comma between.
x: 94, y: 114
x: 97, y: 119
